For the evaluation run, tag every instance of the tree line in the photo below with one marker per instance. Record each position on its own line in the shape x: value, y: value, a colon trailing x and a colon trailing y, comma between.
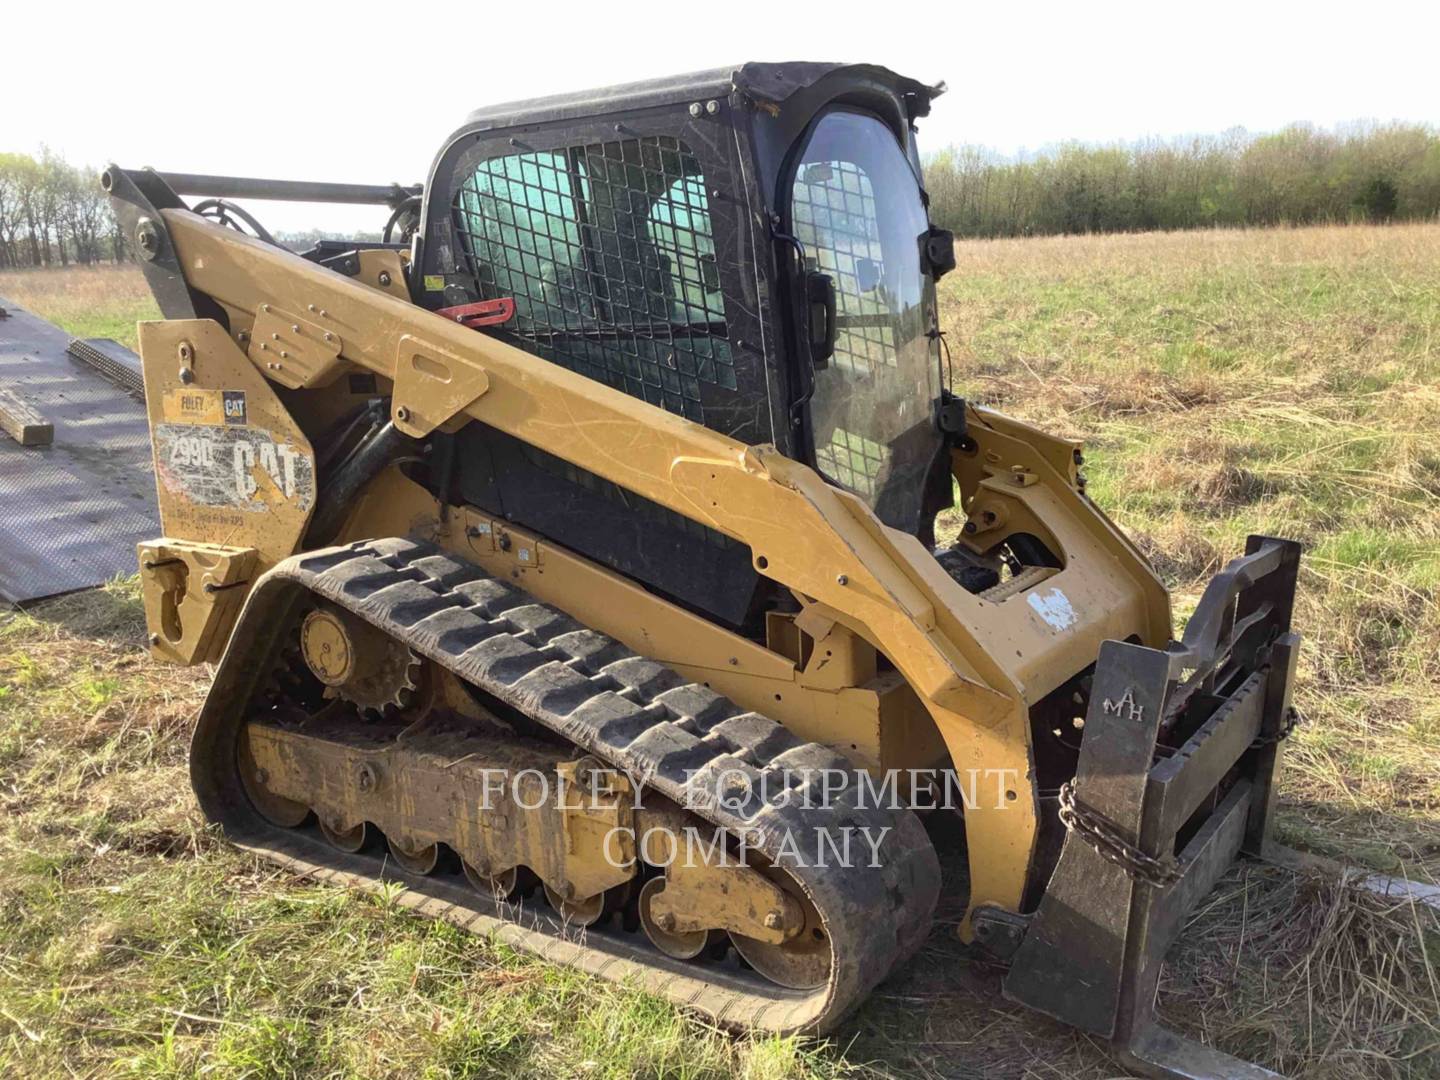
x: 53, y: 213
x: 1300, y: 175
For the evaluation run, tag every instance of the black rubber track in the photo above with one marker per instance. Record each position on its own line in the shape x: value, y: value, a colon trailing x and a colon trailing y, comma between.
x: 677, y: 737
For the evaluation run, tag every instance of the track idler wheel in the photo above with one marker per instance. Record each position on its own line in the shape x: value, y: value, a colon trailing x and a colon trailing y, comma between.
x: 799, y: 963
x: 276, y: 809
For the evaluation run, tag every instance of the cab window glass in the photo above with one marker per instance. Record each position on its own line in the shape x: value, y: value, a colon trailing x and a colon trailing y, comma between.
x: 856, y: 210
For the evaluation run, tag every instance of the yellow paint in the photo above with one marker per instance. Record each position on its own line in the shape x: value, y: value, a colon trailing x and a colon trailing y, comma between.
x: 220, y: 365
x: 192, y: 592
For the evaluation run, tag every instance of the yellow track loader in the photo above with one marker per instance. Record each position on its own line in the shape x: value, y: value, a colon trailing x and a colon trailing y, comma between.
x: 570, y: 555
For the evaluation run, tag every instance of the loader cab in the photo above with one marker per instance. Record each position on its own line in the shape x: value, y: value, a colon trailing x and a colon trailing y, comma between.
x: 747, y: 248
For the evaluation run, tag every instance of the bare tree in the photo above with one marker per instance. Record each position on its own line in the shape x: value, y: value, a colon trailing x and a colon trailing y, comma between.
x: 53, y: 213
x: 11, y: 215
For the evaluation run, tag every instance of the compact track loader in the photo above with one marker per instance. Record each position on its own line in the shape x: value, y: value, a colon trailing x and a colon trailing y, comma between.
x: 570, y: 554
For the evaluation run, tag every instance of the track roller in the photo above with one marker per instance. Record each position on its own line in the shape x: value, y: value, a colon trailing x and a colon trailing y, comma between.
x: 584, y: 912
x: 502, y: 887
x: 420, y: 861
x: 351, y: 840
x: 680, y: 944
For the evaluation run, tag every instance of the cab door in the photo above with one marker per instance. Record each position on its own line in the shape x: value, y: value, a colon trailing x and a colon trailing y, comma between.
x: 856, y: 210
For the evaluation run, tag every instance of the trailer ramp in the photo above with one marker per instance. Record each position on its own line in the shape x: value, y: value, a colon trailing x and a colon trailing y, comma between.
x: 71, y: 509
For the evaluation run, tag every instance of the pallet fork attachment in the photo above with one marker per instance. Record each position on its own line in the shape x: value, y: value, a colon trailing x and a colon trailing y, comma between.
x: 1150, y: 832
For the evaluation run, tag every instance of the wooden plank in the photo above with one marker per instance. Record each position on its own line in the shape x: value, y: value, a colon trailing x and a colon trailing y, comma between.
x: 22, y: 423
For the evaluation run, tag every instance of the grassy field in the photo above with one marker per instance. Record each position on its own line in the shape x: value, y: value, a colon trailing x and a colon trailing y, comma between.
x: 100, y: 301
x: 1282, y: 382
x: 1226, y: 383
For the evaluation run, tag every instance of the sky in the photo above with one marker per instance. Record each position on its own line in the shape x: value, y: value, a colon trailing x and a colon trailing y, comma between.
x: 359, y: 92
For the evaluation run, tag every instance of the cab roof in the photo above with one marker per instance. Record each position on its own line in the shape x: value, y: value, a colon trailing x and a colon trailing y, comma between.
x: 765, y: 83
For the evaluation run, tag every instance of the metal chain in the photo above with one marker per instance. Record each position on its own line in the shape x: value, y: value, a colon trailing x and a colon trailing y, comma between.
x: 1102, y: 834
x: 1292, y: 720
x: 1105, y: 837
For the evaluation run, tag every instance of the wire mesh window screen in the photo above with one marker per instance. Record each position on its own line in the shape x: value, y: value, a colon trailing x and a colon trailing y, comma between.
x: 853, y: 460
x: 609, y: 253
x: 835, y: 218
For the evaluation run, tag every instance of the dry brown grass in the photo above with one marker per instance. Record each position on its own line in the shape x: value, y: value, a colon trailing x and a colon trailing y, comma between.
x: 1279, y: 381
x: 1338, y: 248
x: 1312, y: 975
x: 97, y: 301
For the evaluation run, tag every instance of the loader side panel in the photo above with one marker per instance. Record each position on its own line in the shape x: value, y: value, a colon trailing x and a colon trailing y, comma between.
x: 699, y: 567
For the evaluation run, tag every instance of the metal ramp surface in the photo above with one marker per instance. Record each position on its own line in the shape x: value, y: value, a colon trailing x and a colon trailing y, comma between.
x: 71, y: 512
